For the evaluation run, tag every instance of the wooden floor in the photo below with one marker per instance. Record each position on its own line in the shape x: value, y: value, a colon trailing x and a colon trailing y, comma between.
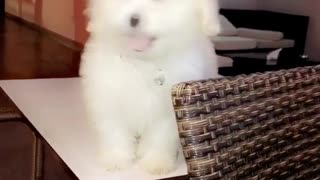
x: 29, y: 53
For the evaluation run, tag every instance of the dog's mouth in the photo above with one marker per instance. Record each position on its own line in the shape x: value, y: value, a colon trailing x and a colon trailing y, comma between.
x: 140, y: 42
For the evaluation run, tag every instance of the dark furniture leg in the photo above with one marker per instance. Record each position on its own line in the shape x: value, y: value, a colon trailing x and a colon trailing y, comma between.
x: 2, y: 8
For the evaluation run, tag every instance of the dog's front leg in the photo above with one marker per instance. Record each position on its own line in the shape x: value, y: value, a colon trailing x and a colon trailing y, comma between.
x: 117, y: 147
x: 158, y: 147
x: 116, y: 144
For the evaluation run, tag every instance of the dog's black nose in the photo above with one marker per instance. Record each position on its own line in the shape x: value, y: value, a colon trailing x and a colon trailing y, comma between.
x: 134, y: 21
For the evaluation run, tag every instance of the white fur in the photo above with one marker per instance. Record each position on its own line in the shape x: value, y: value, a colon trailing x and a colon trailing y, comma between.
x: 123, y: 99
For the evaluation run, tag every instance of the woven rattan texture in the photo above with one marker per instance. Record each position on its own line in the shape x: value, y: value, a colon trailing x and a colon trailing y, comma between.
x: 260, y: 126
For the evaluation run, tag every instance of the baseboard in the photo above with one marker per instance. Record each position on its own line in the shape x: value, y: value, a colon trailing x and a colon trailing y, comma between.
x: 55, y: 36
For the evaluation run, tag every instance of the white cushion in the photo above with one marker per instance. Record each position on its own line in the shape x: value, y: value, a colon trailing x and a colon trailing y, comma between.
x: 284, y: 43
x: 224, y: 61
x: 260, y: 34
x: 272, y: 57
x: 227, y: 28
x: 233, y: 43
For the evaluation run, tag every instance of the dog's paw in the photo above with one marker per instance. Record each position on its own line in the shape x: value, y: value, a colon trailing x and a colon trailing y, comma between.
x: 158, y: 164
x: 116, y: 160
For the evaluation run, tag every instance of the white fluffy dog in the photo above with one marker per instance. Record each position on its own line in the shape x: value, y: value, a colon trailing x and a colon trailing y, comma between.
x: 137, y: 50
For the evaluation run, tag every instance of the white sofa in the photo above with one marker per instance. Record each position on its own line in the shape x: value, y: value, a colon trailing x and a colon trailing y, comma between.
x: 224, y: 61
x: 232, y: 38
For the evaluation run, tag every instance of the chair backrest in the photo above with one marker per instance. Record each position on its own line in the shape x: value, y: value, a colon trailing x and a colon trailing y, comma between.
x: 260, y: 126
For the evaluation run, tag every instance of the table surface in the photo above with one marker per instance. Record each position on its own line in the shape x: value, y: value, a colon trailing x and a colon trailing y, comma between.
x: 8, y: 106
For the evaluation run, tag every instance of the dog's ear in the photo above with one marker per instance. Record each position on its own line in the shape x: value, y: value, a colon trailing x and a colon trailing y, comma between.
x: 209, y: 16
x: 88, y: 12
x: 93, y: 14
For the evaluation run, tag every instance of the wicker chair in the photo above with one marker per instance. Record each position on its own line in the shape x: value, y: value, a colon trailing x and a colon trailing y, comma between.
x: 260, y: 126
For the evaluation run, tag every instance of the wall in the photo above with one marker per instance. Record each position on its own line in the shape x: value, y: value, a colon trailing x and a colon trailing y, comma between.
x: 57, y: 15
x: 12, y: 6
x: 238, y: 4
x: 66, y: 18
x: 301, y: 7
x: 63, y: 17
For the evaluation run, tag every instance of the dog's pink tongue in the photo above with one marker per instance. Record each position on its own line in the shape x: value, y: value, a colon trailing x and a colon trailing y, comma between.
x: 140, y: 42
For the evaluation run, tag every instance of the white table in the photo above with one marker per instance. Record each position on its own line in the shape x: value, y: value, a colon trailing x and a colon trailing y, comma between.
x: 55, y: 108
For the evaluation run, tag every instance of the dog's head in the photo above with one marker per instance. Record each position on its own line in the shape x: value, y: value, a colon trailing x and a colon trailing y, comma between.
x: 152, y: 26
